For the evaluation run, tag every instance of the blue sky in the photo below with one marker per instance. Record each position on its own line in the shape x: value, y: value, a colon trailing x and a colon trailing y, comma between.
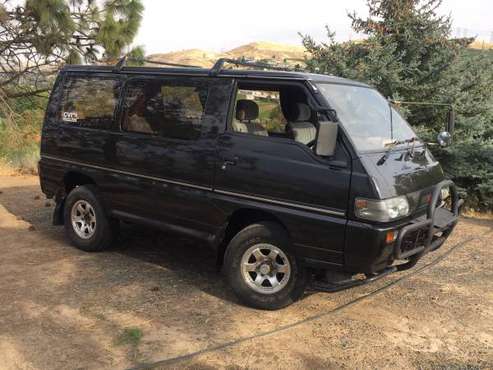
x: 223, y: 24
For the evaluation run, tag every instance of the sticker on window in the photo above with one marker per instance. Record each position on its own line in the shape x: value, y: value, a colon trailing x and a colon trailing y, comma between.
x: 70, y: 116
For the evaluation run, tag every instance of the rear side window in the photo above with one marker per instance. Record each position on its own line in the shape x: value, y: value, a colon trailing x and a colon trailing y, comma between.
x: 89, y: 102
x: 165, y: 107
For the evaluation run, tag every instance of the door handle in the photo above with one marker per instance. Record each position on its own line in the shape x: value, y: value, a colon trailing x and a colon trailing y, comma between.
x: 229, y: 162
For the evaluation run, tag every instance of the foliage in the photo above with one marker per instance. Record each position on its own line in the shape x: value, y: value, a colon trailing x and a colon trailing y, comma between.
x: 408, y: 55
x: 40, y: 35
x: 36, y: 38
x: 20, y: 125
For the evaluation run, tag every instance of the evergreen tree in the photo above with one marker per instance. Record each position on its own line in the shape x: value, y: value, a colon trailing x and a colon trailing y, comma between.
x: 38, y: 36
x: 408, y: 54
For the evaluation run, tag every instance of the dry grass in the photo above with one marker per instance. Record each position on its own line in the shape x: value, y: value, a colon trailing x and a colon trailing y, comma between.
x: 470, y: 213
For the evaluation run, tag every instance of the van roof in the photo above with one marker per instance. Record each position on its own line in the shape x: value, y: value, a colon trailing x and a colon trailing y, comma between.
x: 238, y: 73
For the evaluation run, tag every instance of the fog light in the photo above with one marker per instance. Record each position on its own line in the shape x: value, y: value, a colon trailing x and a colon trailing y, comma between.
x: 391, y: 236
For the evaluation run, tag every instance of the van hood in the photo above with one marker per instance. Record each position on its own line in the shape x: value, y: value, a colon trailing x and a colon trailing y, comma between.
x: 402, y: 173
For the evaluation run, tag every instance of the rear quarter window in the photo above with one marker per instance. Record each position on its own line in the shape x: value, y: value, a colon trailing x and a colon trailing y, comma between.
x: 172, y: 108
x: 89, y: 102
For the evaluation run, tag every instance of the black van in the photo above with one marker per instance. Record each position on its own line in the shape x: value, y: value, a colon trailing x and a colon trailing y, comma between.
x: 285, y: 174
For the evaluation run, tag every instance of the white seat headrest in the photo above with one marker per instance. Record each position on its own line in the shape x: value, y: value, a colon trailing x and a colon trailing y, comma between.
x: 246, y: 110
x: 304, y: 113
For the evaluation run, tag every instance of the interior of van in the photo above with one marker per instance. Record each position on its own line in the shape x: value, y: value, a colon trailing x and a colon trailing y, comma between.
x: 275, y: 111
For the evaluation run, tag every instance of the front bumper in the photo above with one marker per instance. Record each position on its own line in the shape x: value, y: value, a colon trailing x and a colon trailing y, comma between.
x: 367, y: 251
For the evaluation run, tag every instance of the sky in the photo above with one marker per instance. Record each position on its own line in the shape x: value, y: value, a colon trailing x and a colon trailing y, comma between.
x: 220, y: 25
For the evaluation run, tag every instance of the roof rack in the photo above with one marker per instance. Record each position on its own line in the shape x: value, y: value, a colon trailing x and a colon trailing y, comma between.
x: 215, y: 70
x: 219, y: 65
x: 123, y: 61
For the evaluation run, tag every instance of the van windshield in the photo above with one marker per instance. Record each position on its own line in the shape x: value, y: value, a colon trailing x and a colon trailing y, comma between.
x: 366, y: 116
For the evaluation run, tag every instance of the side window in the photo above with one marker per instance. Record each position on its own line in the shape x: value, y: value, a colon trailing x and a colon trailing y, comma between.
x: 169, y: 108
x: 89, y: 102
x: 259, y: 112
x: 275, y: 111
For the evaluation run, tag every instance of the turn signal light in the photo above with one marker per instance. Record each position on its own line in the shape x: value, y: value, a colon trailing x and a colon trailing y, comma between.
x: 391, y: 236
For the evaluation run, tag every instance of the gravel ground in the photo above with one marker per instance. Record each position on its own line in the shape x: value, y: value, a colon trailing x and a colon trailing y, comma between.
x: 155, y: 297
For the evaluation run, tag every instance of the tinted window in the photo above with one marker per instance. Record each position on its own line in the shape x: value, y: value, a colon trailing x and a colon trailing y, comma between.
x: 169, y: 108
x: 89, y: 102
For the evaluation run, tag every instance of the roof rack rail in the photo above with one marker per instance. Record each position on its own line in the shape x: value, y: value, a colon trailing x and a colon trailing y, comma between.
x: 123, y: 61
x: 219, y: 65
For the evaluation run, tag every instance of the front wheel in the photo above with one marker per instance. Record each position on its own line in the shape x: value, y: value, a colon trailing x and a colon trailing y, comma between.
x: 261, y: 269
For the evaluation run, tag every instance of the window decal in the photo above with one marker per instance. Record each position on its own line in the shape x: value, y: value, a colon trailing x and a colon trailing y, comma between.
x: 70, y: 116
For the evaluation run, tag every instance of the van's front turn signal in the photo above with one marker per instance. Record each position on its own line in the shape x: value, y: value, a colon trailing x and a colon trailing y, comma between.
x: 391, y: 236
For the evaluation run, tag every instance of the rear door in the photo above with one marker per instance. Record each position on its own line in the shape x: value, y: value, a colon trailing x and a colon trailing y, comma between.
x: 166, y: 150
x: 308, y: 193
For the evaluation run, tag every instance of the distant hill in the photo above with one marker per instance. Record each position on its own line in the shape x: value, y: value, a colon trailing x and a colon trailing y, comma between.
x: 282, y: 53
x: 480, y: 44
x: 254, y: 50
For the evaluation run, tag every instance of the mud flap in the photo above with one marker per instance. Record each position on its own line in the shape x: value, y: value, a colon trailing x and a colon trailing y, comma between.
x: 58, y: 213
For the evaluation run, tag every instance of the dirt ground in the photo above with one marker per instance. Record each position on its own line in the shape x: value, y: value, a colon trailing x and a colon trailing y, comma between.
x: 155, y: 297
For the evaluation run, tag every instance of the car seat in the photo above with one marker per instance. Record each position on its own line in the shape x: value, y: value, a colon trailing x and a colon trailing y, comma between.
x: 299, y: 127
x: 246, y: 112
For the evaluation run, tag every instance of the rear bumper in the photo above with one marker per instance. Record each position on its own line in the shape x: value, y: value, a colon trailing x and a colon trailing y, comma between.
x: 366, y: 248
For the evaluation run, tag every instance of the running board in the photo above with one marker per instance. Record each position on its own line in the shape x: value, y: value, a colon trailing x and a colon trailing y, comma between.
x: 346, y: 284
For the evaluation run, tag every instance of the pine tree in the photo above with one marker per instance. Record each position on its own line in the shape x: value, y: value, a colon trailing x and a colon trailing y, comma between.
x: 408, y: 54
x: 40, y: 35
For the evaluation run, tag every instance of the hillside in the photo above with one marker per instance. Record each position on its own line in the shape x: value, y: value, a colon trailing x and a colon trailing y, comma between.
x: 480, y: 44
x: 255, y: 50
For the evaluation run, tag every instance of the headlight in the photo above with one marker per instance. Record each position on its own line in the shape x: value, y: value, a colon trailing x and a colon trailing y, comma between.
x: 381, y: 210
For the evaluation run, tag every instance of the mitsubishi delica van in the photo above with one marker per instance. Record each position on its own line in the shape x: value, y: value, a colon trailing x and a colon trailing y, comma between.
x: 286, y: 175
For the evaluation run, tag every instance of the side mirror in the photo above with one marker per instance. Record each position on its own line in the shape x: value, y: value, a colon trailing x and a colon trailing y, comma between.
x: 326, y: 138
x: 444, y: 138
x: 451, y: 121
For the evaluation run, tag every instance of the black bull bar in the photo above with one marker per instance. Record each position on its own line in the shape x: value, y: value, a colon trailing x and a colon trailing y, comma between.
x: 432, y: 231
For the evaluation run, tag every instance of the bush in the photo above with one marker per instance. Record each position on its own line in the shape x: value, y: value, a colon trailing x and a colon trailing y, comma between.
x: 20, y: 127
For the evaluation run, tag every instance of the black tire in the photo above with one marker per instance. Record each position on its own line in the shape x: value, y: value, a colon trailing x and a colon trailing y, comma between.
x: 270, y: 233
x: 105, y: 229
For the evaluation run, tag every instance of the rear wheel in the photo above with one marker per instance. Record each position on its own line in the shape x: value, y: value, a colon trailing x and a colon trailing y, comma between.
x: 86, y: 223
x: 261, y: 269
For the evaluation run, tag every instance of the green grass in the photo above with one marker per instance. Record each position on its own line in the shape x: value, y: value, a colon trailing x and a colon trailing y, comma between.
x: 130, y: 336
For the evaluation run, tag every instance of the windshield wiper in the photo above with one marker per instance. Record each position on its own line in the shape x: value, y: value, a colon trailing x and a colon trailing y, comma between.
x: 392, y: 145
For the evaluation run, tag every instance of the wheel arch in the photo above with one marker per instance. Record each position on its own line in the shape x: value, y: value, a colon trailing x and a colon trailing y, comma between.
x: 71, y: 179
x: 237, y: 221
x: 74, y: 178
